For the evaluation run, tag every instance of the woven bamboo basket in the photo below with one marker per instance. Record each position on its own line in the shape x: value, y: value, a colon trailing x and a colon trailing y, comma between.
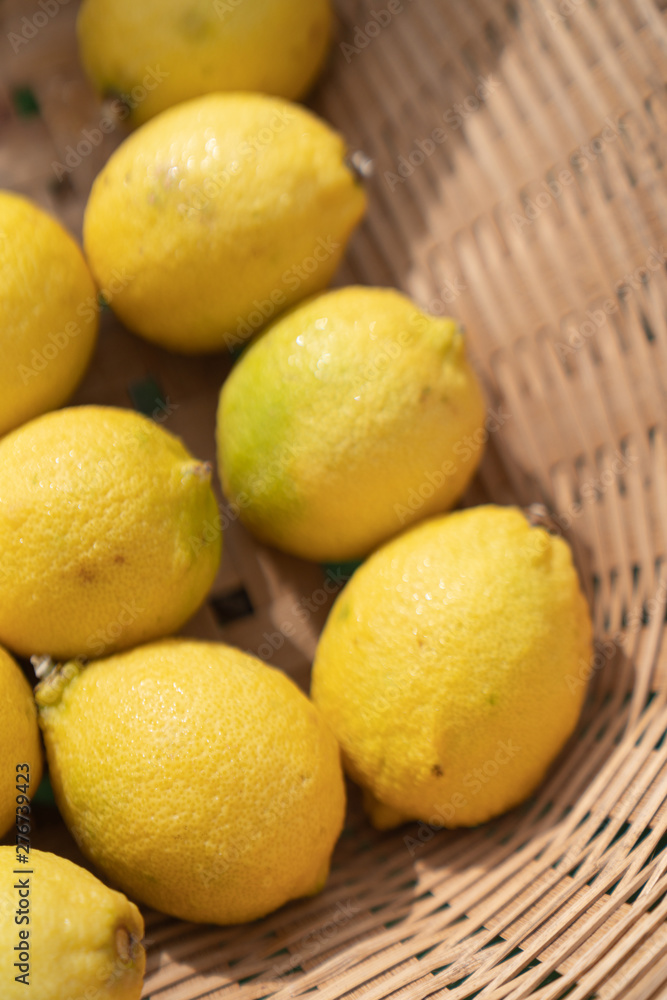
x: 519, y: 154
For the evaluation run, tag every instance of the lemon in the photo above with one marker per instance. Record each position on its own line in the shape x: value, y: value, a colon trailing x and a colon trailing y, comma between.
x: 63, y: 934
x: 224, y: 210
x: 348, y: 419
x: 201, y: 781
x: 20, y: 745
x: 105, y: 521
x: 49, y: 312
x: 156, y: 54
x: 449, y: 667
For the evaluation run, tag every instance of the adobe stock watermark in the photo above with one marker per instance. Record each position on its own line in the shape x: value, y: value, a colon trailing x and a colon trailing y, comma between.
x: 98, y: 477
x: 212, y: 530
x: 365, y: 33
x: 591, y: 492
x: 225, y: 7
x: 391, y: 349
x: 108, y: 978
x: 472, y: 784
x: 59, y: 339
x: 302, y: 610
x: 566, y: 8
x: 593, y: 489
x: 291, y: 280
x: 319, y: 940
x: 216, y: 864
x: 99, y: 642
x: 257, y: 485
x: 553, y: 189
x: 123, y: 105
x: 454, y: 117
x: 31, y: 26
x: 643, y: 958
x: 464, y: 449
x: 448, y: 292
x: 199, y: 197
x: 604, y: 650
x: 597, y: 318
x: 56, y: 677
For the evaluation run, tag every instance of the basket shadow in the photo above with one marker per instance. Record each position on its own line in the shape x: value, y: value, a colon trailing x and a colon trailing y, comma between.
x: 414, y: 895
x: 425, y: 880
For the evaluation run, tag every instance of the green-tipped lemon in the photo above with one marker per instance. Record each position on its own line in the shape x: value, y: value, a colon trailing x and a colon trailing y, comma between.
x: 350, y: 418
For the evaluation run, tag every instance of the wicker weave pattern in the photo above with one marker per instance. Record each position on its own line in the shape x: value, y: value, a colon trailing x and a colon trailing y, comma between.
x: 539, y: 220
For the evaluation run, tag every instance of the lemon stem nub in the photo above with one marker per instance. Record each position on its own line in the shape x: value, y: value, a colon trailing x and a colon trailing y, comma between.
x: 202, y: 470
x: 125, y: 945
x: 360, y: 164
x: 539, y: 516
x: 43, y: 666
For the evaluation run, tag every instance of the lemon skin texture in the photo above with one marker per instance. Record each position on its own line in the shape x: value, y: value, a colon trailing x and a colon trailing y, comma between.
x: 49, y: 320
x: 84, y: 938
x: 224, y: 210
x: 341, y: 413
x: 199, y: 780
x: 104, y: 521
x: 449, y: 668
x: 194, y: 48
x: 20, y: 744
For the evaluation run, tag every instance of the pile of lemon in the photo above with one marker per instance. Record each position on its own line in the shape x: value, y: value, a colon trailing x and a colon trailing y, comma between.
x: 194, y: 777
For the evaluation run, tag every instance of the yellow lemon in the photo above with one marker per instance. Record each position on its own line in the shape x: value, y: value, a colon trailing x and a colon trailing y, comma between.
x: 104, y: 525
x: 49, y: 312
x: 20, y: 745
x: 224, y: 211
x: 348, y: 419
x: 201, y: 781
x: 64, y: 934
x: 155, y: 54
x: 450, y: 667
